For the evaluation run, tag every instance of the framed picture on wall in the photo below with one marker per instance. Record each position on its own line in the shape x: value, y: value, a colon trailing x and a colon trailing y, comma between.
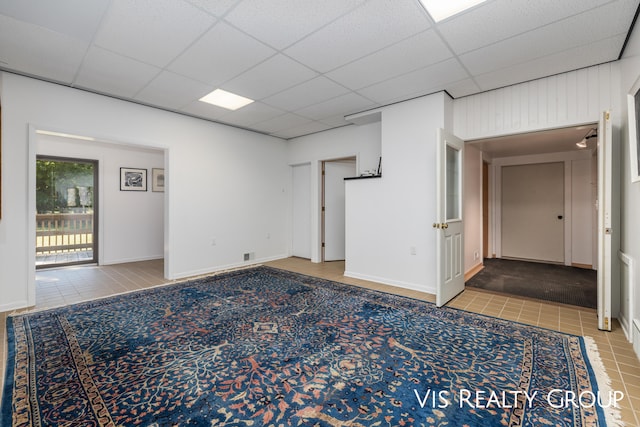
x: 633, y: 103
x: 157, y: 180
x: 133, y: 179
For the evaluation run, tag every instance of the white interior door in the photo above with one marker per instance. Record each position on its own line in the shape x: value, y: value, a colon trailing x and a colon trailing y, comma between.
x: 301, y: 215
x: 448, y: 225
x: 533, y: 211
x: 605, y: 188
x: 333, y: 204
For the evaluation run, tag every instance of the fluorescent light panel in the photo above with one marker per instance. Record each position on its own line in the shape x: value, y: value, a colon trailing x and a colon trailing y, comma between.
x: 225, y: 99
x: 443, y: 9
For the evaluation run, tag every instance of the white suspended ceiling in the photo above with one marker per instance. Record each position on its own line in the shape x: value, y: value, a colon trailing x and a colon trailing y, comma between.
x: 306, y: 63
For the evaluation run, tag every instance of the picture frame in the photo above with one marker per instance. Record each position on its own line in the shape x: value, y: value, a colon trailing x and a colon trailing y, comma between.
x: 633, y: 104
x: 157, y: 180
x: 133, y: 179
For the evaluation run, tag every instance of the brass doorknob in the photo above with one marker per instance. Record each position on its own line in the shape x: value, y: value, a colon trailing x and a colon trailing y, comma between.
x: 445, y: 225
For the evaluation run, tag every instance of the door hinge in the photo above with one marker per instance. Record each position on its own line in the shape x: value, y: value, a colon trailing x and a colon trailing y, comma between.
x: 606, y: 323
x: 323, y: 244
x: 607, y: 116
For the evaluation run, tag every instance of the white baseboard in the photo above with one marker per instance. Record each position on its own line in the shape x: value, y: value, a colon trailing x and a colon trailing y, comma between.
x: 391, y: 282
x: 16, y: 305
x: 636, y: 337
x: 128, y: 260
x: 219, y: 268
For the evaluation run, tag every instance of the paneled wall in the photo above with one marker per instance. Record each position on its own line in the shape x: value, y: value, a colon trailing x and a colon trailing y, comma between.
x: 553, y: 102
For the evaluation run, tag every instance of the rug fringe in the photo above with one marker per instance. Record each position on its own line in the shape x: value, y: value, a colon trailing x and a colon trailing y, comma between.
x: 612, y: 414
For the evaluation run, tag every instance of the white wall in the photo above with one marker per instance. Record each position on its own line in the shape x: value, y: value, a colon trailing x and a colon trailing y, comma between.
x: 472, y: 214
x: 223, y: 183
x: 131, y: 223
x: 389, y: 237
x: 363, y: 142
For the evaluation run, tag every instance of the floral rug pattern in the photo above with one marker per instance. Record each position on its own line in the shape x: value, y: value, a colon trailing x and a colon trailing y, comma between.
x: 262, y: 347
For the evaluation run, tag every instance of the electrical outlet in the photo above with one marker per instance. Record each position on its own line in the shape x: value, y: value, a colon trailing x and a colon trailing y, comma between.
x: 213, y: 241
x: 412, y: 250
x: 476, y: 255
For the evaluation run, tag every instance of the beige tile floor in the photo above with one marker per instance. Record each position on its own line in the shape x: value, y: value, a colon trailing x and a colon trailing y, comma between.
x: 75, y: 284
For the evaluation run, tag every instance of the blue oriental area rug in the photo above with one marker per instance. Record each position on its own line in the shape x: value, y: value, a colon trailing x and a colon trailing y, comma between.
x: 264, y: 347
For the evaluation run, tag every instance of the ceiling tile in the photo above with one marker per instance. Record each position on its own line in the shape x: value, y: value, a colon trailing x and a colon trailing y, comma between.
x: 342, y: 105
x: 75, y: 18
x: 311, y: 92
x: 423, y: 49
x: 107, y: 72
x: 463, y: 88
x: 421, y: 82
x: 152, y: 31
x: 39, y: 51
x: 371, y: 27
x: 561, y: 62
x: 221, y: 54
x: 255, y: 112
x: 293, y: 19
x: 281, y: 73
x: 335, y: 121
x: 501, y: 19
x: 562, y: 35
x: 286, y: 121
x: 305, y: 129
x: 217, y: 8
x: 172, y: 91
x: 205, y: 110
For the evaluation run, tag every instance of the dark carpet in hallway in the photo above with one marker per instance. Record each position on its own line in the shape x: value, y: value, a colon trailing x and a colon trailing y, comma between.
x: 549, y: 282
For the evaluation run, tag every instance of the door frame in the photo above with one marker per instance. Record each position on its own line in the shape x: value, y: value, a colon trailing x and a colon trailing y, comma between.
x: 96, y: 206
x: 308, y: 209
x: 353, y: 158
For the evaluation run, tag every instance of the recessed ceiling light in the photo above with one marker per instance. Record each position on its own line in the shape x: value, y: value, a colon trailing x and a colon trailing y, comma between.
x: 442, y: 9
x: 225, y: 99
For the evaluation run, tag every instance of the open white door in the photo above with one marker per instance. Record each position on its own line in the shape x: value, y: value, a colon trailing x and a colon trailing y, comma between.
x: 448, y: 225
x: 605, y: 188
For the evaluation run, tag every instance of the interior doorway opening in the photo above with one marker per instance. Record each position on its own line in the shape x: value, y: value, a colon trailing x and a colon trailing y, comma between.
x: 66, y: 211
x: 333, y: 207
x: 503, y: 221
